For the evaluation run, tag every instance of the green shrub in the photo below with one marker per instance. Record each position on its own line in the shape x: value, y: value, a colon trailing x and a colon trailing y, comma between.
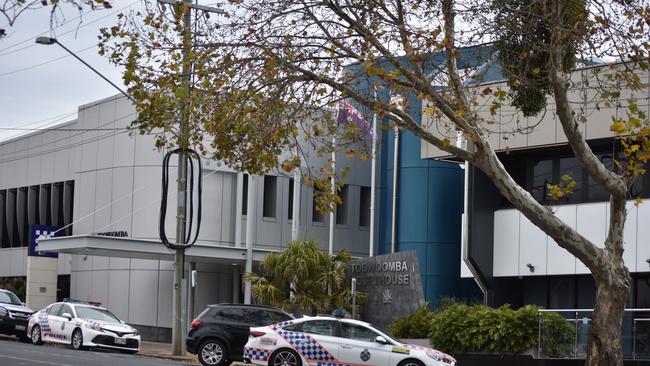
x: 478, y: 328
x: 415, y: 325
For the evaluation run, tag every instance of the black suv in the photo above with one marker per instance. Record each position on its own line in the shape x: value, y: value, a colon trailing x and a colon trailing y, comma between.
x: 13, y: 315
x: 220, y: 332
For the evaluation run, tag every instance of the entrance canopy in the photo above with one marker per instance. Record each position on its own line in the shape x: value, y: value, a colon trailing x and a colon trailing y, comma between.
x: 107, y: 246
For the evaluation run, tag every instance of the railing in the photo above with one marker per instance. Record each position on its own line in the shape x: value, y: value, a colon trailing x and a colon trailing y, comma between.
x: 558, y: 341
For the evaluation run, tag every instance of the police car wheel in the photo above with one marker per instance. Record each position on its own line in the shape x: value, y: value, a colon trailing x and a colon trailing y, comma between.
x: 213, y: 353
x: 285, y: 357
x: 36, y: 335
x: 411, y: 362
x: 77, y: 339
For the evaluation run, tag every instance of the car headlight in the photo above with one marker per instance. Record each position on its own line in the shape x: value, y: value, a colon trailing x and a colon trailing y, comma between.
x: 93, y: 327
x: 3, y: 311
x: 440, y: 357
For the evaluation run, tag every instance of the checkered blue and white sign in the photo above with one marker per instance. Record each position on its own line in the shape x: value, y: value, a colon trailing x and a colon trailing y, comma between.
x: 37, y: 232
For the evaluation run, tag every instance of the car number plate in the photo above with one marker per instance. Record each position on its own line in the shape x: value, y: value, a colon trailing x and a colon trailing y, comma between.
x: 20, y: 327
x: 120, y: 341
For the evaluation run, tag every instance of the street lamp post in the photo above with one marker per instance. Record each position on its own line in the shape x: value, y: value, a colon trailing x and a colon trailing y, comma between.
x: 49, y: 41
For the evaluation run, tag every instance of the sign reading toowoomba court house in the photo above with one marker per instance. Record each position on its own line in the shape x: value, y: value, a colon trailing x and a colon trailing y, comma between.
x: 393, y: 285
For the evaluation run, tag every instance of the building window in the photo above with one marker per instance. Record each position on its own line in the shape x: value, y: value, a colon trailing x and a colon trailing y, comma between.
x: 542, y: 177
x: 342, y: 208
x: 244, y: 199
x: 572, y: 168
x: 270, y: 196
x: 364, y: 207
x: 291, y: 188
x: 316, y: 215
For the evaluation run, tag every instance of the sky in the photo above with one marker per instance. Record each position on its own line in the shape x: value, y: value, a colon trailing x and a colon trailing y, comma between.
x: 41, y: 84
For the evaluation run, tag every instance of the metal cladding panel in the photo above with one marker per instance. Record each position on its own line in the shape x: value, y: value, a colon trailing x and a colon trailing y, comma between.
x: 165, y: 296
x: 643, y: 238
x: 146, y: 211
x: 533, y: 246
x: 118, y: 293
x: 122, y: 200
x: 559, y: 260
x: 592, y: 224
x: 506, y: 243
x: 99, y: 287
x: 213, y: 209
x: 143, y: 297
x: 103, y: 199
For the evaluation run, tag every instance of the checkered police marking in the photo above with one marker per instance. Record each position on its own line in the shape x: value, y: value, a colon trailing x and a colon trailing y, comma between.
x: 307, y: 346
x: 256, y: 354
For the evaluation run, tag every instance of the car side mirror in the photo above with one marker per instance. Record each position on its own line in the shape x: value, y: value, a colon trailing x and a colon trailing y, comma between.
x: 381, y: 340
x: 122, y: 321
x: 67, y: 316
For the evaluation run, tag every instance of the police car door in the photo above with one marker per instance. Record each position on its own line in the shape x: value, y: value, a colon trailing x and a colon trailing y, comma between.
x: 359, y: 346
x: 55, y: 321
x: 317, y: 342
x: 67, y: 325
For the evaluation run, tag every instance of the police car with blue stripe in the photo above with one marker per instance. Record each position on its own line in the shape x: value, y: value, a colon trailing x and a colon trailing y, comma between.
x: 328, y: 341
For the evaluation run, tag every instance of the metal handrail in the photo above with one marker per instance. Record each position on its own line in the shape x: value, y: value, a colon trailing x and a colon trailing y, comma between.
x: 577, y: 320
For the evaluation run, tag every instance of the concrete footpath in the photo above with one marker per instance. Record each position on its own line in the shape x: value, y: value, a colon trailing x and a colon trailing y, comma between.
x: 164, y: 350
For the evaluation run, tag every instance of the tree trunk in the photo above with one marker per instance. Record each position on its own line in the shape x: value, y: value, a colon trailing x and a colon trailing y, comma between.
x: 612, y: 288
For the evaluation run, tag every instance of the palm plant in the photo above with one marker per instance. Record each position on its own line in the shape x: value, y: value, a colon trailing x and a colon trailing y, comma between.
x: 303, y: 279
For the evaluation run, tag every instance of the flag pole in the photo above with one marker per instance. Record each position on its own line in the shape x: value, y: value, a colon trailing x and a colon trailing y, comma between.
x: 333, y: 181
x: 373, y: 173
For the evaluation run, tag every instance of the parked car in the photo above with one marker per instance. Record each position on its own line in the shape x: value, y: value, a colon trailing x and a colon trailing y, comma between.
x: 82, y: 325
x: 323, y: 341
x: 13, y: 315
x: 219, y: 333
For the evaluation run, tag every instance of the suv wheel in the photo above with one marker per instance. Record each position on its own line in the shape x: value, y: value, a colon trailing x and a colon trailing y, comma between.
x: 213, y: 353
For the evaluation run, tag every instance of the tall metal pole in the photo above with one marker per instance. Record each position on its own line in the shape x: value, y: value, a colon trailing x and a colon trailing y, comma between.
x: 181, y: 208
x: 332, y: 218
x: 373, y: 178
x: 393, y: 234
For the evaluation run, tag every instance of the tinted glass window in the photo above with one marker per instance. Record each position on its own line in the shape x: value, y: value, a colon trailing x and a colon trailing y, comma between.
x: 86, y: 312
x: 293, y: 327
x: 66, y: 309
x: 320, y: 327
x: 236, y: 315
x: 9, y: 298
x: 572, y: 168
x: 277, y: 317
x: 358, y: 332
x: 542, y: 176
x: 55, y: 309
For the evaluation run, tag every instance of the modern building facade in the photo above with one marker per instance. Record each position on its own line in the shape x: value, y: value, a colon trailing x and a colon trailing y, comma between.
x: 516, y: 262
x: 429, y: 192
x: 97, y: 181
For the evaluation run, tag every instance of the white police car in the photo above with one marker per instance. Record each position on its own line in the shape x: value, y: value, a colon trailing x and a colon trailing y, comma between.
x: 82, y: 325
x: 325, y: 341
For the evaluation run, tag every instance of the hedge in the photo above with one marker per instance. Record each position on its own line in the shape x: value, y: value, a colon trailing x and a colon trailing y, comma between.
x: 461, y: 329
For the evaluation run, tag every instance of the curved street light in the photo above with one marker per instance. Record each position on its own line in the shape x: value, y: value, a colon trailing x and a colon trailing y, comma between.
x: 49, y: 41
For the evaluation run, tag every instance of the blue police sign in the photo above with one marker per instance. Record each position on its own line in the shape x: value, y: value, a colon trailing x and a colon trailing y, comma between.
x: 38, y: 232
